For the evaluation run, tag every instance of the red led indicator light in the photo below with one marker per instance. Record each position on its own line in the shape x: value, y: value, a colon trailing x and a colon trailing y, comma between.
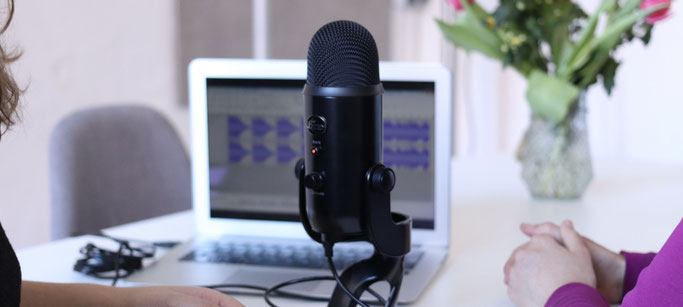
x: 313, y: 151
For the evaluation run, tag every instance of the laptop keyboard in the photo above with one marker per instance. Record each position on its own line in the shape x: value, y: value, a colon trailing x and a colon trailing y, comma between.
x: 283, y: 255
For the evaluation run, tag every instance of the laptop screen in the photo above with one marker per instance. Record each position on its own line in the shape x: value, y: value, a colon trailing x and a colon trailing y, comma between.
x: 255, y: 137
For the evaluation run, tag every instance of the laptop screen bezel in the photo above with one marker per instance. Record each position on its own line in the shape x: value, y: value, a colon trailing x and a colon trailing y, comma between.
x: 202, y: 69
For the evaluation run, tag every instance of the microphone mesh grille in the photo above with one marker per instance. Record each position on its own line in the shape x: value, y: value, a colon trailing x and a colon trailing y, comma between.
x: 343, y: 54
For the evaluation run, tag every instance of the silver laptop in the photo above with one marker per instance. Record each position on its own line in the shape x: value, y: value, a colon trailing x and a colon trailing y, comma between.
x: 247, y: 118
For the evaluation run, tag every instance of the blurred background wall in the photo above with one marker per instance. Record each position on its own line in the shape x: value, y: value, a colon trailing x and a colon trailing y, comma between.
x: 80, y: 54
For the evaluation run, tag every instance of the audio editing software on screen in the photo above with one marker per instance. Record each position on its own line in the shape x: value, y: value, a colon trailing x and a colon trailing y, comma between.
x: 256, y: 136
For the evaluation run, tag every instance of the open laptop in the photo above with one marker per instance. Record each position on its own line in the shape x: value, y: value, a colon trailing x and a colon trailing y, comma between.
x: 247, y: 134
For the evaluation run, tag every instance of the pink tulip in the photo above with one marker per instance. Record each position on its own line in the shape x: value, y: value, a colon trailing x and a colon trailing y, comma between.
x: 457, y: 4
x: 658, y: 15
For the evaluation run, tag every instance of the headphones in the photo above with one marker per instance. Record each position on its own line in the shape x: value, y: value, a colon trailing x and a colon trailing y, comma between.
x: 106, y: 264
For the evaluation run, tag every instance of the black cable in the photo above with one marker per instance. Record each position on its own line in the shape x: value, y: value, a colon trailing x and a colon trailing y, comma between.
x: 277, y: 287
x: 117, y: 264
x: 264, y: 289
x: 391, y: 298
x: 100, y: 257
x: 245, y: 286
x: 100, y: 263
x: 380, y: 299
x: 286, y: 294
x: 266, y: 295
x: 339, y: 282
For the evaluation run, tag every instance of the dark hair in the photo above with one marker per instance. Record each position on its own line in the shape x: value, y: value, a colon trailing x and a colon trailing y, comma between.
x: 9, y: 90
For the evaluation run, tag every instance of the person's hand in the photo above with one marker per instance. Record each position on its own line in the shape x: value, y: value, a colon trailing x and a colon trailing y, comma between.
x: 536, y: 269
x: 176, y: 296
x: 40, y: 294
x: 609, y: 266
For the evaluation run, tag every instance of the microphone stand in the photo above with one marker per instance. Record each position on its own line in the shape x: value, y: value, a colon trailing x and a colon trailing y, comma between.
x: 358, y: 278
x: 389, y: 233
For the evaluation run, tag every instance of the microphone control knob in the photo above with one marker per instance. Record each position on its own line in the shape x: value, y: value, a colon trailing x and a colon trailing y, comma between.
x: 314, y: 181
x: 299, y: 168
x: 316, y: 125
x: 383, y: 179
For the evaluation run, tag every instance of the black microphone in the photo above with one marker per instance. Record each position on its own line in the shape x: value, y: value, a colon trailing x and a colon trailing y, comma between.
x: 346, y: 194
x: 344, y: 190
x: 343, y: 98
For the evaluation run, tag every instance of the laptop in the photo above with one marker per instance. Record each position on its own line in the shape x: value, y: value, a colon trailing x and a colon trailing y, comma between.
x: 247, y: 135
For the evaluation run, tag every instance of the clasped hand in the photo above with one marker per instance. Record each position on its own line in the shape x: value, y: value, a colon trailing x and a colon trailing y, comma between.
x: 555, y: 256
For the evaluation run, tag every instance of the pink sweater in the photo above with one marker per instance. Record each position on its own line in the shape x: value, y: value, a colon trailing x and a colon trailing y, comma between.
x: 650, y: 280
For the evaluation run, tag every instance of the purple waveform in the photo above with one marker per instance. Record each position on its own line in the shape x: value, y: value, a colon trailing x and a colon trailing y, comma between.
x: 217, y: 174
x: 236, y: 152
x: 260, y: 153
x: 388, y: 130
x: 286, y: 154
x: 285, y: 128
x: 235, y: 126
x: 410, y: 158
x: 260, y: 127
x: 412, y: 131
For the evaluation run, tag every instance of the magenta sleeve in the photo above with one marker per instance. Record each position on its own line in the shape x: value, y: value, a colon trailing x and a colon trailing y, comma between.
x: 661, y: 282
x: 635, y: 262
x: 576, y: 294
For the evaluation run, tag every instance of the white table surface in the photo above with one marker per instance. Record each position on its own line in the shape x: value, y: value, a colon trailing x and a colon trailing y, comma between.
x: 630, y: 205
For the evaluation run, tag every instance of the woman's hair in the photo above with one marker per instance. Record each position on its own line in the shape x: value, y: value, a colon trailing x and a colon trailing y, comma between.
x: 9, y: 90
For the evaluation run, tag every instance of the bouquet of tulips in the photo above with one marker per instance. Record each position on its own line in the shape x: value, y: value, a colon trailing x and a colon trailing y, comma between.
x: 554, y: 44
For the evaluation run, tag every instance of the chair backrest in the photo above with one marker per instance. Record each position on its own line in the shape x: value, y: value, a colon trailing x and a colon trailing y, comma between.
x: 113, y: 165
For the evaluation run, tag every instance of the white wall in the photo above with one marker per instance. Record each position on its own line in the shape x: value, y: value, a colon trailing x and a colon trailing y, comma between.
x: 78, y: 54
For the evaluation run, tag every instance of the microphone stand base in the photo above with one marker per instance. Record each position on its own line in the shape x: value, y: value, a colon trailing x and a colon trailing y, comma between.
x: 358, y: 278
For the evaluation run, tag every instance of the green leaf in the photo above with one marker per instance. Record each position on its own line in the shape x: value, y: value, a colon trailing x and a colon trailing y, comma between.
x: 628, y: 8
x: 534, y: 28
x: 549, y: 97
x: 591, y: 69
x: 605, y: 43
x: 608, y: 73
x: 620, y: 25
x: 506, y: 12
x: 477, y: 10
x: 565, y: 55
x: 583, y: 47
x: 558, y: 43
x: 648, y: 34
x: 472, y: 36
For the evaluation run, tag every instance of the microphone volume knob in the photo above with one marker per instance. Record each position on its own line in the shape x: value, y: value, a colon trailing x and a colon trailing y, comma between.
x: 314, y: 181
x: 383, y: 179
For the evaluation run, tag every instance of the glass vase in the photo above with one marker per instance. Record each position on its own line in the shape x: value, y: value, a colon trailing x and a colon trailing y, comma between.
x: 555, y: 158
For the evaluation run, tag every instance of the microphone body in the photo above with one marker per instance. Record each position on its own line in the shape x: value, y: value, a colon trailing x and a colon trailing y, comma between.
x: 344, y: 139
x: 344, y: 190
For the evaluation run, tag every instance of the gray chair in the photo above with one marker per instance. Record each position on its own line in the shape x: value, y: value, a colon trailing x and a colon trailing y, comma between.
x: 114, y: 165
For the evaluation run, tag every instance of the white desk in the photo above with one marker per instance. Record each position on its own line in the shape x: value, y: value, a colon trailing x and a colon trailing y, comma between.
x: 632, y: 206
